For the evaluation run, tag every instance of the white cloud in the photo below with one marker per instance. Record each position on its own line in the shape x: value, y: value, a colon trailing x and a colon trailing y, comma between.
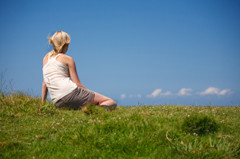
x: 166, y: 93
x: 158, y: 92
x: 123, y: 96
x: 135, y: 96
x: 210, y: 90
x: 184, y: 92
x: 215, y: 91
x: 225, y: 91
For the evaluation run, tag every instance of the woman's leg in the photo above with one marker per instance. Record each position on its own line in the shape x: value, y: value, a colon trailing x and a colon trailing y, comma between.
x: 104, y: 101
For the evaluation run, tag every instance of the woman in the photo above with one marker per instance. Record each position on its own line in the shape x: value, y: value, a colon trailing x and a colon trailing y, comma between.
x: 58, y: 68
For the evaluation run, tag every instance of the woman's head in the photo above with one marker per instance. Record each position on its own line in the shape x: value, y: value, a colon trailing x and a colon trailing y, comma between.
x: 60, y: 41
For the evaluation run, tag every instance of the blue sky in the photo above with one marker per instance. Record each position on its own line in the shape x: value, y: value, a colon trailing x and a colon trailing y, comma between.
x: 135, y: 51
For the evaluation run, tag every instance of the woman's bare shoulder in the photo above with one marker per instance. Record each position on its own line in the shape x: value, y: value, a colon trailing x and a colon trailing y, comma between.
x: 66, y: 56
x: 65, y: 59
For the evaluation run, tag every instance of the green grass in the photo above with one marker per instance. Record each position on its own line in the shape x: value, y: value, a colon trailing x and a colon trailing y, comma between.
x: 29, y: 129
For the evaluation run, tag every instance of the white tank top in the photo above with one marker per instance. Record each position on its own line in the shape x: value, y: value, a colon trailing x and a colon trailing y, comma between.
x: 57, y: 79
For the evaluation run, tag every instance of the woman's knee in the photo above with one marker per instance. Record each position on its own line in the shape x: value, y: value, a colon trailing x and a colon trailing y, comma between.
x: 109, y: 102
x: 103, y: 100
x: 100, y: 98
x: 113, y: 102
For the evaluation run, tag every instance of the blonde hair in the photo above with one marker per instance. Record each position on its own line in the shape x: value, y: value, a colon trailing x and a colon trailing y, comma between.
x: 58, y: 40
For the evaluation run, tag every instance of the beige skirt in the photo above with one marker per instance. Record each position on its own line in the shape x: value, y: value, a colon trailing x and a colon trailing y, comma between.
x: 78, y: 98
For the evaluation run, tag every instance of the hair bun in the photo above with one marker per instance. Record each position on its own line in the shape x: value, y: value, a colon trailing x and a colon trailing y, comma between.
x: 58, y: 40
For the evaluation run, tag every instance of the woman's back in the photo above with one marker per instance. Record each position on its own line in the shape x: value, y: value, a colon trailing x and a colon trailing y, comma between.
x: 57, y: 79
x: 57, y: 72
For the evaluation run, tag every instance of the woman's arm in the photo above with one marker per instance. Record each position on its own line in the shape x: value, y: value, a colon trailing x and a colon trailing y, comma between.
x: 73, y: 72
x: 44, y: 91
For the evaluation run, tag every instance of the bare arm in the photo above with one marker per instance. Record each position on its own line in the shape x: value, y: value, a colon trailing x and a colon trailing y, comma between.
x: 44, y: 87
x: 73, y: 73
x: 44, y: 91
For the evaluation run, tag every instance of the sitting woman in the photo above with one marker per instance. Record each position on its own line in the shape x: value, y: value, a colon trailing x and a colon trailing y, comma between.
x: 61, y: 79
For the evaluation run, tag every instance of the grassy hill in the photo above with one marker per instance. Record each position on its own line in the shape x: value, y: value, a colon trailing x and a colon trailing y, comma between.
x: 29, y: 129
